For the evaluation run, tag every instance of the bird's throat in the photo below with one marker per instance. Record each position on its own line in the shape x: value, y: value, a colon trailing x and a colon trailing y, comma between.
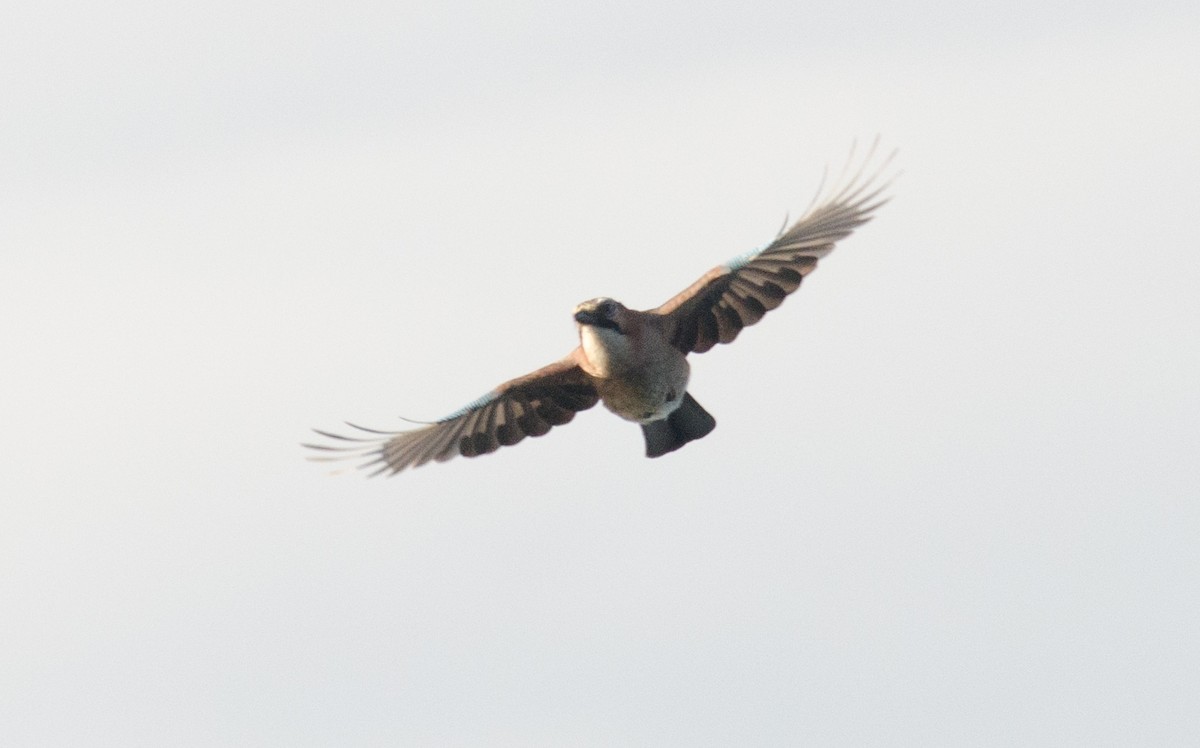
x: 608, y: 352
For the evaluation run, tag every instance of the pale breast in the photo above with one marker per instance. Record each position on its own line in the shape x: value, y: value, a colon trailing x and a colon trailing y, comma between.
x: 608, y: 353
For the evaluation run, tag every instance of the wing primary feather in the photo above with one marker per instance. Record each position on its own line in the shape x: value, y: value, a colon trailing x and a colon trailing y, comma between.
x: 369, y: 431
x: 816, y: 195
x: 432, y: 447
x: 451, y: 445
x: 413, y: 420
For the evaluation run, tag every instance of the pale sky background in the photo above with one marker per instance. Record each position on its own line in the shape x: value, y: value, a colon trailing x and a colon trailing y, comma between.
x: 954, y: 494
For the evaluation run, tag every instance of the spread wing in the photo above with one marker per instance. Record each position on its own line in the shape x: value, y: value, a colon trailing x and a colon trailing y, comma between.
x: 737, y: 294
x: 527, y: 406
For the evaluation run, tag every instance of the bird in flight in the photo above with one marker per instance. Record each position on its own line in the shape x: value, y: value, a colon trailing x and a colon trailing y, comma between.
x: 635, y: 362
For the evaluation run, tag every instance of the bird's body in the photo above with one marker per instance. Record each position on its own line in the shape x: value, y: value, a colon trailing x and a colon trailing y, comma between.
x: 638, y: 374
x: 644, y: 395
x: 635, y: 362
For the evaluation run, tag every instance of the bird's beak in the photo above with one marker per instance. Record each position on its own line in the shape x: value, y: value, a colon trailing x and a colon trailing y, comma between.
x: 585, y: 317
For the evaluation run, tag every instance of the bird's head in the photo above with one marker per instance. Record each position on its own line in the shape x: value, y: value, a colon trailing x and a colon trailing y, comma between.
x: 608, y: 334
x: 602, y: 313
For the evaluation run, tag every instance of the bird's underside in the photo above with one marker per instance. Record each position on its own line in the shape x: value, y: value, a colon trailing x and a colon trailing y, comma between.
x: 639, y: 354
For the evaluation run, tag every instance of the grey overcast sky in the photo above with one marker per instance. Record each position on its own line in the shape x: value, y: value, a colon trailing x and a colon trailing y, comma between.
x: 954, y: 494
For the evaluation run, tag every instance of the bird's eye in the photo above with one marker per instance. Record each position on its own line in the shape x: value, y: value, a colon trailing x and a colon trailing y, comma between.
x: 606, y: 308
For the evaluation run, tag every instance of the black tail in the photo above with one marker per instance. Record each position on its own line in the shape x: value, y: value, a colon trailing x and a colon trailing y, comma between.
x: 686, y: 423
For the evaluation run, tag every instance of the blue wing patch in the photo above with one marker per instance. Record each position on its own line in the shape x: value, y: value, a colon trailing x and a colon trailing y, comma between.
x: 475, y: 404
